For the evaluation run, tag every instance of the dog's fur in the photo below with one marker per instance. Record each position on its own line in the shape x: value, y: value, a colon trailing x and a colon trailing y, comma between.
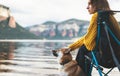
x: 70, y: 67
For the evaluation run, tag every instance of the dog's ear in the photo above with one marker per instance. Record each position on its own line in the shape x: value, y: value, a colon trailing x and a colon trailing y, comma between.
x: 55, y: 53
x: 68, y: 50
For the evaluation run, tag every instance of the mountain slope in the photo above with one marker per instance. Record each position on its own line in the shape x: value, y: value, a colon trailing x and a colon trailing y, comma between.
x: 6, y: 32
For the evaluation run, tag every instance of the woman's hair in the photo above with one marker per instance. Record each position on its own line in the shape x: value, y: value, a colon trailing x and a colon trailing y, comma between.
x: 100, y: 5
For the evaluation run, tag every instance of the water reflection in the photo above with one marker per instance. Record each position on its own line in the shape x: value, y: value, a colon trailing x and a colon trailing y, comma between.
x: 6, y: 53
x: 28, y: 58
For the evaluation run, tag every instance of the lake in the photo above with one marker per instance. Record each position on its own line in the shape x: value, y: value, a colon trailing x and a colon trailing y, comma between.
x: 32, y: 59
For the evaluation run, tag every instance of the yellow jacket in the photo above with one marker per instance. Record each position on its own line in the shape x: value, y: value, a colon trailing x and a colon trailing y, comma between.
x: 89, y: 39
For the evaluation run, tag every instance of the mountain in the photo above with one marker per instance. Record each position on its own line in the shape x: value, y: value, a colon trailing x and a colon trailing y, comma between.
x: 6, y: 32
x: 73, y: 20
x: 49, y: 23
x: 60, y: 30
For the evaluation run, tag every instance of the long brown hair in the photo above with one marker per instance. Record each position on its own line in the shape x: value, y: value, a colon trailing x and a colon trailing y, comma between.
x: 104, y: 6
x: 100, y: 5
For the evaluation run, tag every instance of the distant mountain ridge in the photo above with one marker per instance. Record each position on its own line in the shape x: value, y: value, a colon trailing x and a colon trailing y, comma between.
x: 73, y: 20
x: 49, y: 23
x: 60, y: 30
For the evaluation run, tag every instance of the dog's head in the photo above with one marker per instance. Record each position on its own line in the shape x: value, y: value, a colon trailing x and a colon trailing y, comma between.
x: 64, y: 56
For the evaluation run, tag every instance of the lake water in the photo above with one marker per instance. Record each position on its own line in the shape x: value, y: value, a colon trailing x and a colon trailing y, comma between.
x: 32, y: 59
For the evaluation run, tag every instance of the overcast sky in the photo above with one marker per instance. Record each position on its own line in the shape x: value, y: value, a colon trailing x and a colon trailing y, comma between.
x: 30, y: 12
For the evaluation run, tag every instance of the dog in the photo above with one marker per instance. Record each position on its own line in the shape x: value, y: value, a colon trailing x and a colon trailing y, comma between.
x: 70, y: 66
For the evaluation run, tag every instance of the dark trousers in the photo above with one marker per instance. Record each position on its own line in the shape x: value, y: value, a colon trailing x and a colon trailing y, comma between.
x: 82, y: 61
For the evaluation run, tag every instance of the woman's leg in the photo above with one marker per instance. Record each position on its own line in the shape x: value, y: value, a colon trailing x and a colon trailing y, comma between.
x: 82, y: 62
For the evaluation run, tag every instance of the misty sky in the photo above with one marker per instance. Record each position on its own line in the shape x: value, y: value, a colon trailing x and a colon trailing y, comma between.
x: 31, y: 12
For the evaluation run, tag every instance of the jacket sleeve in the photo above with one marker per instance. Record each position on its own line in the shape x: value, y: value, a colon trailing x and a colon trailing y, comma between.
x: 89, y: 38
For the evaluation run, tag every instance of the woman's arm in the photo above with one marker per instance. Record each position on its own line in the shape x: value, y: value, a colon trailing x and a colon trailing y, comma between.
x: 89, y: 38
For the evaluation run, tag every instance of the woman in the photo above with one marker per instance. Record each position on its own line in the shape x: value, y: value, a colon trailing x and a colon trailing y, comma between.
x: 87, y: 43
